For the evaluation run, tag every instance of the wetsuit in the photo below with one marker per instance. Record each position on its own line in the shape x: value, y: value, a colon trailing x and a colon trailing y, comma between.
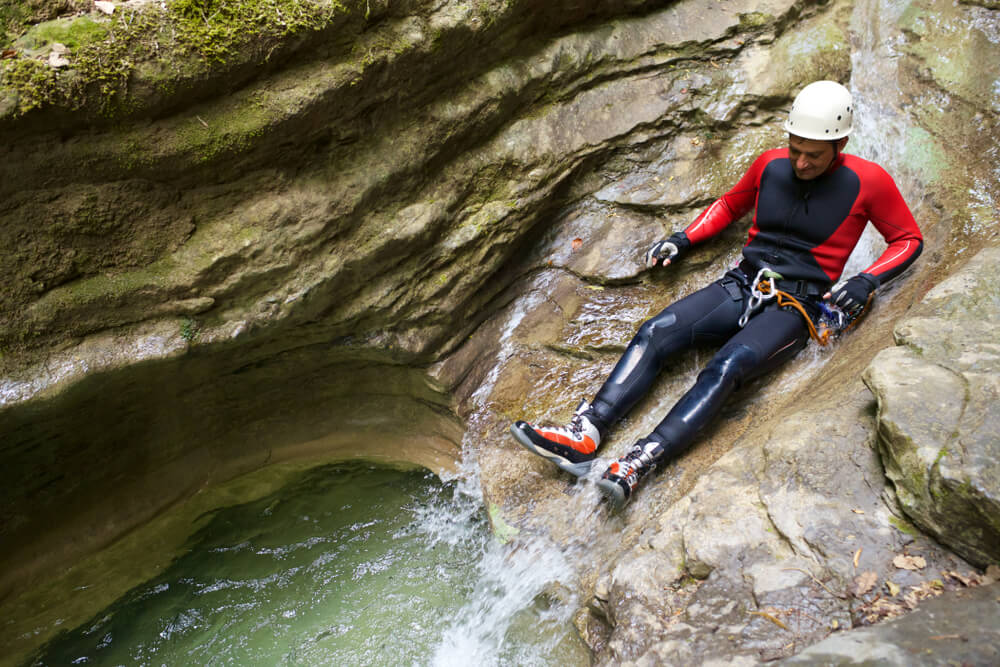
x: 804, y: 230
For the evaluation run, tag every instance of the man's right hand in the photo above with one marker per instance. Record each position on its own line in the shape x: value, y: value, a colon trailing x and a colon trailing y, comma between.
x: 661, y: 251
x: 667, y: 250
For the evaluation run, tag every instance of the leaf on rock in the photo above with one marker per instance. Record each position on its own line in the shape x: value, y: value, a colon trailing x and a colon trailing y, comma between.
x: 892, y: 587
x: 961, y: 578
x: 56, y: 61
x: 772, y: 618
x: 883, y: 609
x: 904, y: 562
x: 577, y: 244
x: 863, y: 583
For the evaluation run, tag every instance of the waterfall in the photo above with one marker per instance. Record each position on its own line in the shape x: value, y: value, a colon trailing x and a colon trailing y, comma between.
x: 880, y: 122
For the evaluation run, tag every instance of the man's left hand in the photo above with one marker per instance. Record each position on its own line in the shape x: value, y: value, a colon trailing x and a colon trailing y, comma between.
x: 854, y: 296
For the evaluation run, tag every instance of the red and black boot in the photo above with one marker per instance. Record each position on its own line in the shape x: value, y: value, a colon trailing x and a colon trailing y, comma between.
x: 573, y: 447
x: 622, y: 477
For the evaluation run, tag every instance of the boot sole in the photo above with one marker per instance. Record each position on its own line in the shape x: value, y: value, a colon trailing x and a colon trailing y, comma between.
x: 613, y: 492
x: 576, y: 469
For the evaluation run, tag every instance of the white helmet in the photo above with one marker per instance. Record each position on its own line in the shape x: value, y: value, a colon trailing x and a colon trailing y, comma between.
x: 822, y: 110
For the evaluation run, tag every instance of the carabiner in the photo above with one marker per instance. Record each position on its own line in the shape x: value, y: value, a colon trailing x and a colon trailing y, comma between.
x: 757, y: 297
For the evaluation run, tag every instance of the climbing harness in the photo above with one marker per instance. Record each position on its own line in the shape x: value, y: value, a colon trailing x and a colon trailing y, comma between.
x: 833, y: 322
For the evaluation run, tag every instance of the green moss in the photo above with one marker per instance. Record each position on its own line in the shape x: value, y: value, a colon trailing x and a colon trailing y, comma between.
x: 13, y: 16
x: 105, y: 52
x: 73, y: 33
x: 107, y: 287
x: 501, y: 529
x: 751, y: 20
x: 217, y: 29
x: 226, y: 129
x: 940, y: 455
x: 904, y: 526
x: 189, y: 329
x: 924, y: 154
x: 33, y: 81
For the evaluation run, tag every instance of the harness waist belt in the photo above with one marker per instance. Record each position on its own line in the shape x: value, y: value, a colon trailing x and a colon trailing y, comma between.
x: 800, y: 288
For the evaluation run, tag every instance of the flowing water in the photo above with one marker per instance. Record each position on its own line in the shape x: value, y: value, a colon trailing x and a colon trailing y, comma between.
x: 345, y: 565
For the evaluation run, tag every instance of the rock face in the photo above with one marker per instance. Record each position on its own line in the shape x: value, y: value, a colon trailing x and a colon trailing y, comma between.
x: 939, y: 411
x: 409, y: 215
x: 946, y: 630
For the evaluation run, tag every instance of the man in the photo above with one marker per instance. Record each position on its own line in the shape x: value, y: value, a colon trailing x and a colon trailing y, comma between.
x: 812, y: 202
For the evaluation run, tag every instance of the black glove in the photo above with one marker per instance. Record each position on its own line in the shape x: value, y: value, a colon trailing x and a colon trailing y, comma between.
x: 667, y: 250
x: 853, y: 296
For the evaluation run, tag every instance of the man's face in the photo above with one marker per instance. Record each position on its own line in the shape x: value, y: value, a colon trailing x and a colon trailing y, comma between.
x: 810, y: 157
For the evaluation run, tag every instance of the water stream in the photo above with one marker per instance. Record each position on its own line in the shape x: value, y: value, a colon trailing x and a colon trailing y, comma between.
x: 347, y: 564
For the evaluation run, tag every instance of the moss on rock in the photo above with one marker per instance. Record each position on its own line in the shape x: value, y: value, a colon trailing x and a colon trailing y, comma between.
x: 189, y: 38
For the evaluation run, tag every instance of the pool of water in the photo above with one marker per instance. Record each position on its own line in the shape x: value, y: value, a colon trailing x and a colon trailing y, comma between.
x: 345, y: 565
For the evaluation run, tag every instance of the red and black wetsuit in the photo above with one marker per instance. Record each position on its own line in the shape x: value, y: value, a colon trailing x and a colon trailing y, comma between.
x: 804, y: 230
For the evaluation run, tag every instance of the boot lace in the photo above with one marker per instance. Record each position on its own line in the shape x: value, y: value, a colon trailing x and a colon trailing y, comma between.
x: 637, y: 462
x: 576, y: 425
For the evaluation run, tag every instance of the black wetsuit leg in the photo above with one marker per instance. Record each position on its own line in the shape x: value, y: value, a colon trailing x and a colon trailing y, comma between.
x: 769, y: 339
x: 708, y: 316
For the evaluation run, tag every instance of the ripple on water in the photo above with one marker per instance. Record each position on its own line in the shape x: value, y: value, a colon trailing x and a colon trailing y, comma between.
x: 345, y: 565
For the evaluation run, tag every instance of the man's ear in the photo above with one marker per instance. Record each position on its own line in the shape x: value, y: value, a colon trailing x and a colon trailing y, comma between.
x: 841, y: 143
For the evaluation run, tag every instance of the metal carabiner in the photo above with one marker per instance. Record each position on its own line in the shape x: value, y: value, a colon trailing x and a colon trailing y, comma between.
x: 756, y: 296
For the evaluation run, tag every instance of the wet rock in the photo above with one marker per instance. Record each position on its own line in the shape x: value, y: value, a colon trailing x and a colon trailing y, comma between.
x: 768, y: 544
x: 939, y: 411
x: 959, y: 628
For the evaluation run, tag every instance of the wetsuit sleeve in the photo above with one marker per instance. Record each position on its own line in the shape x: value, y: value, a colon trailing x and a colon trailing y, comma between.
x: 731, y: 206
x: 894, y: 221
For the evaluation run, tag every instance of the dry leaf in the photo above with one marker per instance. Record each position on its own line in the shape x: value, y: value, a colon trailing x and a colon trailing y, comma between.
x: 904, y: 562
x: 927, y: 589
x: 961, y: 578
x: 857, y: 555
x: 770, y: 618
x: 577, y: 244
x: 56, y: 60
x: 863, y: 583
x: 8, y: 53
x: 883, y: 609
x: 892, y: 587
x: 858, y: 511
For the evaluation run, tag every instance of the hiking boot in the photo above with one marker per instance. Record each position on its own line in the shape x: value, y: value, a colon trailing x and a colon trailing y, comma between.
x: 573, y: 448
x: 622, y: 477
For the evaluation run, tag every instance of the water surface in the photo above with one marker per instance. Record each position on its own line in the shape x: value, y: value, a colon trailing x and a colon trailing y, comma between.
x: 348, y: 564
